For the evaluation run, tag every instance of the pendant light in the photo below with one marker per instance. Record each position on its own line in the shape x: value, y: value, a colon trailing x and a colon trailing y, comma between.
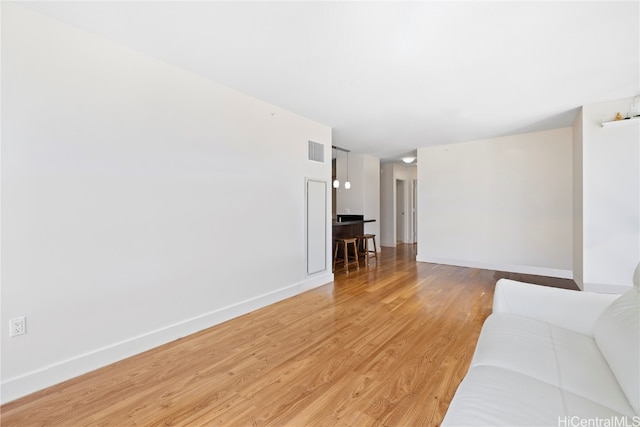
x: 347, y: 184
x: 336, y: 183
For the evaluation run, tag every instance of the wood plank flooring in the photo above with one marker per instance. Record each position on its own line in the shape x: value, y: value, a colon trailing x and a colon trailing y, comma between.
x: 385, y: 345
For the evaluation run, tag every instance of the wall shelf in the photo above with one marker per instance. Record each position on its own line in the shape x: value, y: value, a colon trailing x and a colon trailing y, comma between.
x: 623, y: 122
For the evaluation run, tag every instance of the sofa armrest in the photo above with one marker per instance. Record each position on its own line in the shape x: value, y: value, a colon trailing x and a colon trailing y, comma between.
x: 574, y: 310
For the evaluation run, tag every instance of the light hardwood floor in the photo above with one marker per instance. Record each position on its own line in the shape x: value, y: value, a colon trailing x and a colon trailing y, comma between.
x: 385, y: 345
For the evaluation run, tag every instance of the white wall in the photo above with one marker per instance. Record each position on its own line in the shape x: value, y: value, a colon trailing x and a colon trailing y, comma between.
x: 502, y: 204
x: 610, y: 199
x: 363, y: 198
x: 131, y: 193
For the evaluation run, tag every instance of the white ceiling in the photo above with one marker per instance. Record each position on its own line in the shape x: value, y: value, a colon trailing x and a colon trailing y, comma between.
x: 390, y: 77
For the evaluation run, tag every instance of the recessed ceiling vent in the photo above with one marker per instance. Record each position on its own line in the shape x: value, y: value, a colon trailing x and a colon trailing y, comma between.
x: 316, y: 151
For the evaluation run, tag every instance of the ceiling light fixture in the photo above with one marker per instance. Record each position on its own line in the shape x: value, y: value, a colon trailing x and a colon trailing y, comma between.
x: 408, y: 159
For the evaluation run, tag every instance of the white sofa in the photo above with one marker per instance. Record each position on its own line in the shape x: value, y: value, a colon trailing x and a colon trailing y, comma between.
x: 553, y: 357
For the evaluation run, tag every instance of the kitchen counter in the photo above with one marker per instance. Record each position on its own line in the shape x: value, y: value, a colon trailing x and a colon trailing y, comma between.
x: 348, y: 229
x: 352, y: 222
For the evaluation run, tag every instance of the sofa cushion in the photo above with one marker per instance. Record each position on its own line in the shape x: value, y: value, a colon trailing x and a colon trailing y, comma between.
x: 519, y: 344
x: 494, y: 396
x: 567, y: 360
x: 617, y: 334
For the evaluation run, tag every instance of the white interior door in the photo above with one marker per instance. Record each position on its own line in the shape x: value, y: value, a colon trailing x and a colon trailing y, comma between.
x: 400, y: 212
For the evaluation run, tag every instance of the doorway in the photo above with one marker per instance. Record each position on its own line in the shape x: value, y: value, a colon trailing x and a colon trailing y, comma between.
x: 401, y: 235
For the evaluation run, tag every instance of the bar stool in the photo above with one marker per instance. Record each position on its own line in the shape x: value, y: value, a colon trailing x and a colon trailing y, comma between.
x: 346, y: 242
x: 363, y: 241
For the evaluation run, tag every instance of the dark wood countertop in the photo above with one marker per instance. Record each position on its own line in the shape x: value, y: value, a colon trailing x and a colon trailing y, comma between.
x: 353, y: 222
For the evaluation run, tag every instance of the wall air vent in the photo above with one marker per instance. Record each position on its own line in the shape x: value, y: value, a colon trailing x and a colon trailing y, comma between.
x: 316, y: 151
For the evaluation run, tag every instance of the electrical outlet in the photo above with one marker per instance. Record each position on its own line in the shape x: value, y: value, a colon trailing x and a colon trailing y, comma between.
x: 18, y: 326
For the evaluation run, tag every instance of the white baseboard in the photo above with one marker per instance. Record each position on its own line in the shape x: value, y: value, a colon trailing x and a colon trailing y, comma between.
x: 313, y: 281
x: 512, y: 268
x: 31, y: 382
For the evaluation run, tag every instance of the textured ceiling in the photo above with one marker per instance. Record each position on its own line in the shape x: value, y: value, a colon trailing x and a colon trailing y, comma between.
x: 390, y: 77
